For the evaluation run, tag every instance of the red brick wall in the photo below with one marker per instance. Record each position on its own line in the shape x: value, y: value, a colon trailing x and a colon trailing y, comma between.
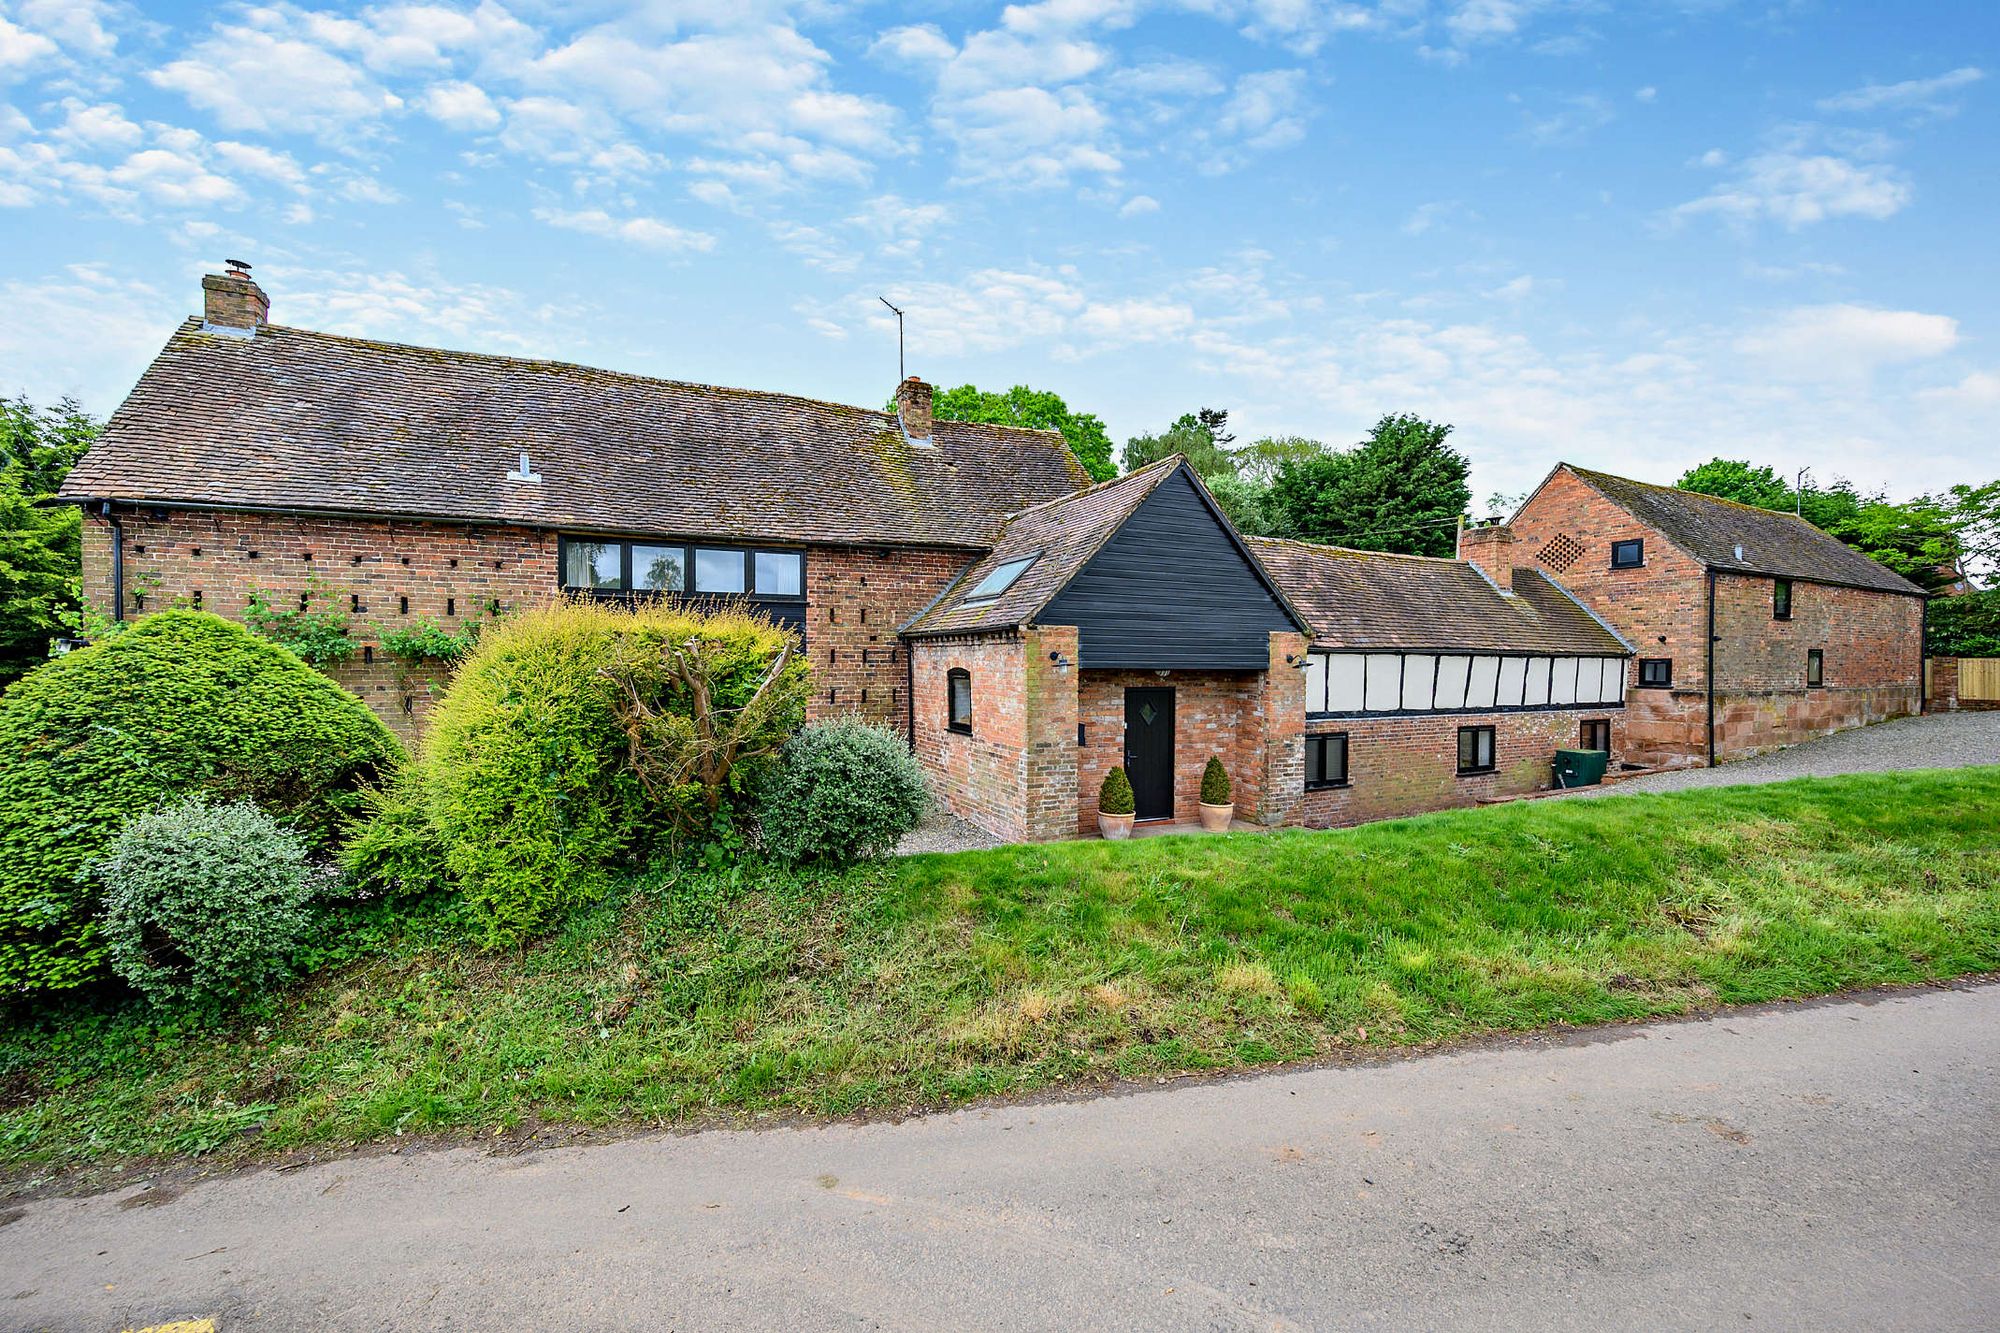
x: 1871, y: 639
x: 1409, y: 764
x: 1215, y: 713
x: 449, y: 574
x: 1661, y: 608
x: 856, y: 600
x: 980, y: 777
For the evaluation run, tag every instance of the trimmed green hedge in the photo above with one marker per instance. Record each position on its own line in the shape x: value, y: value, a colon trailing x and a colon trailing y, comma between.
x: 183, y: 703
x: 1966, y: 626
x: 563, y: 750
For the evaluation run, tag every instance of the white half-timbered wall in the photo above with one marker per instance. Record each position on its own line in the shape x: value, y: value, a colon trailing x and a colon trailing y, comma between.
x: 1354, y: 682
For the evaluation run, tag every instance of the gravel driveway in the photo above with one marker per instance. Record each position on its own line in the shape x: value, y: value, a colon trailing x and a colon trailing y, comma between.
x: 1938, y: 740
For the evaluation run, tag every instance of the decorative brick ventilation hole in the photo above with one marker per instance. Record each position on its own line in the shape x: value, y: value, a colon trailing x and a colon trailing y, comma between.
x: 1561, y: 552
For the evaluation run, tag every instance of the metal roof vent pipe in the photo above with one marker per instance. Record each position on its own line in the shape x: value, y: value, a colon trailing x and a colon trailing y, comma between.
x: 525, y: 472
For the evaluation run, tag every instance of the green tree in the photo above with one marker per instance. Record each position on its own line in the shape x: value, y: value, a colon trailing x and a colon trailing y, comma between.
x: 40, y: 547
x: 1743, y: 482
x: 1402, y: 489
x: 1260, y: 460
x: 1200, y: 437
x: 1974, y: 514
x: 1037, y: 409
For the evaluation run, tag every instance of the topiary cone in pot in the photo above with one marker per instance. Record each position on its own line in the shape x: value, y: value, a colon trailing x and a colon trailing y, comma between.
x: 1114, y: 806
x: 1216, y: 808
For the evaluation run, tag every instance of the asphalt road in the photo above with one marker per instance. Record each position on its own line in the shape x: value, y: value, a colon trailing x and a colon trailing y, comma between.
x: 1825, y: 1166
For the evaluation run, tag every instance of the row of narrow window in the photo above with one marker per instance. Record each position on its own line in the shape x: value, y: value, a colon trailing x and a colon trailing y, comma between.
x: 1326, y: 753
x: 1657, y: 673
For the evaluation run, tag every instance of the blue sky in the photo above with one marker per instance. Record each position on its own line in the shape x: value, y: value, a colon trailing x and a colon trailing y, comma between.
x: 1631, y: 235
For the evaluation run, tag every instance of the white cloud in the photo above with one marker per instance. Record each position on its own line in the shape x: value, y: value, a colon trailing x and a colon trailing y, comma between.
x: 1138, y: 206
x: 649, y: 233
x: 1646, y: 94
x: 109, y: 328
x: 1798, y: 190
x: 917, y: 43
x: 1266, y: 110
x: 260, y: 75
x: 20, y: 48
x: 1113, y: 323
x: 1931, y: 95
x: 103, y: 126
x: 1840, y: 341
x: 80, y: 26
x: 1979, y: 391
x: 460, y: 106
x: 257, y: 160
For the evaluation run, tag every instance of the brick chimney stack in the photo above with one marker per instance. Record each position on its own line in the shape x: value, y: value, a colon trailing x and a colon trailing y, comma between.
x: 913, y: 406
x: 233, y: 300
x: 1491, y: 548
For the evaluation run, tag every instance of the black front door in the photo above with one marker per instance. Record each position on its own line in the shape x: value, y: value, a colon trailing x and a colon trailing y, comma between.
x: 1149, y: 751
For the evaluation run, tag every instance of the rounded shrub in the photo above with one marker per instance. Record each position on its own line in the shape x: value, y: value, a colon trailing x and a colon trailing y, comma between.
x: 204, y: 902
x: 843, y: 790
x: 581, y: 736
x: 1114, y: 797
x: 182, y: 703
x: 1214, y: 783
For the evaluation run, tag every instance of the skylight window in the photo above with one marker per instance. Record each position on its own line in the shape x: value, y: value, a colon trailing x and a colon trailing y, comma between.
x: 1000, y: 579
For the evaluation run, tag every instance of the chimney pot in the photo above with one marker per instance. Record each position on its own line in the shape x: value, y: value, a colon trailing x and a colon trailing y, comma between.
x: 233, y: 300
x: 1491, y: 549
x: 913, y: 408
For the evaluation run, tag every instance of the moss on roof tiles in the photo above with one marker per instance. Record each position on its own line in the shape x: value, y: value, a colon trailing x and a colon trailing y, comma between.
x: 294, y: 419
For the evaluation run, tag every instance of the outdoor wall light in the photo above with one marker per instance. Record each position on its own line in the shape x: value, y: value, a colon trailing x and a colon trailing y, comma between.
x: 1059, y: 659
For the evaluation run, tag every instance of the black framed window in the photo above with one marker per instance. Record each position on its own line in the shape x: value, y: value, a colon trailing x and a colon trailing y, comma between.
x: 1597, y: 735
x: 1656, y: 673
x: 589, y: 564
x: 958, y: 700
x: 780, y: 574
x: 1475, y: 749
x: 665, y: 568
x: 659, y: 568
x: 1628, y: 554
x: 1326, y: 761
x: 1781, y: 599
x: 1815, y: 668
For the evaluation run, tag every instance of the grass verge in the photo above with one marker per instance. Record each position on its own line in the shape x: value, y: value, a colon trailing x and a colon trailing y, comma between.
x: 935, y: 979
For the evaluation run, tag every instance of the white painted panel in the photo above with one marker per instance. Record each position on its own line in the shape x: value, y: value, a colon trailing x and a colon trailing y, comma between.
x: 1343, y: 683
x: 1538, y: 681
x: 1590, y: 682
x: 1419, y: 678
x: 1562, y: 681
x: 1315, y: 682
x: 1479, y: 689
x: 1385, y: 682
x: 1451, y: 681
x: 1614, y: 680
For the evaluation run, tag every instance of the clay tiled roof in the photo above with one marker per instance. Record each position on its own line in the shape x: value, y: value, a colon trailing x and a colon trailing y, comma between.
x: 1366, y: 599
x: 301, y: 421
x: 1061, y: 535
x: 1726, y: 535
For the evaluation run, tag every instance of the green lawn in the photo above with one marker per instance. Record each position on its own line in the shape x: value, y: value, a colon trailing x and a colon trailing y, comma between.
x: 935, y: 979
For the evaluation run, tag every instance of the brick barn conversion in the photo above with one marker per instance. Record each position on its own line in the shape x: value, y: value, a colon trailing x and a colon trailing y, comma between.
x: 967, y: 585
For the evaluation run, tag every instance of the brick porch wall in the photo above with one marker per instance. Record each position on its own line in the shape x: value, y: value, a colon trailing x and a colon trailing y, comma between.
x: 1408, y: 765
x: 397, y: 573
x: 982, y: 777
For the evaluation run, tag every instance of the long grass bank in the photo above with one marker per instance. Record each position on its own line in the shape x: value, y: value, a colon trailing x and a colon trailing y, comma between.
x: 935, y: 979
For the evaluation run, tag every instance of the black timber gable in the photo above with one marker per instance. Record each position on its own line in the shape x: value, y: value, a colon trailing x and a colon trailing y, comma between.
x: 1172, y: 589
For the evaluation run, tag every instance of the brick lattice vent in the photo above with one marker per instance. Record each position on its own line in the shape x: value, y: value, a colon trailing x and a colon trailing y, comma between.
x: 1561, y: 552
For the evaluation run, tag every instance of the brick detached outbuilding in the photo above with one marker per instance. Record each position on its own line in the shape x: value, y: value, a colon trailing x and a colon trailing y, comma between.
x: 1753, y: 629
x: 966, y: 585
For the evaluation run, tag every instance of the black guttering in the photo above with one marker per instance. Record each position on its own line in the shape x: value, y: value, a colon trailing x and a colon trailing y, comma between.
x: 1708, y: 673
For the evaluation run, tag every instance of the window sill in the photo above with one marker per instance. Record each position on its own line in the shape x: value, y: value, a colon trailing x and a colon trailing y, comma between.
x: 1478, y: 772
x: 1328, y: 786
x: 957, y: 730
x: 1643, y: 686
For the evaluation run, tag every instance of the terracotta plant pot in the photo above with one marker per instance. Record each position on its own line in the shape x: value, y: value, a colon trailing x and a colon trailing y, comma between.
x: 1114, y: 827
x: 1216, y: 818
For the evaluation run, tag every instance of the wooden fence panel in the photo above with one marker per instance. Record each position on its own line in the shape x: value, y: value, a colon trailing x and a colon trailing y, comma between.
x: 1979, y: 678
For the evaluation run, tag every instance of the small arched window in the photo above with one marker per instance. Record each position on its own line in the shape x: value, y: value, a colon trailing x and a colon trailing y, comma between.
x: 958, y: 700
